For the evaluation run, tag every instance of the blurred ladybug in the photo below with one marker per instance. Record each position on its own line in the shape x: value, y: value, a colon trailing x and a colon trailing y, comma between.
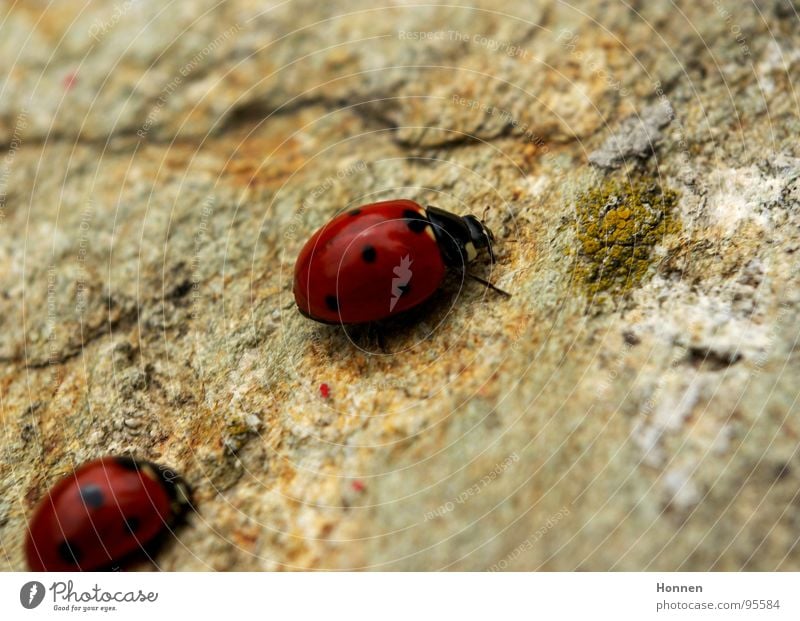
x: 382, y: 259
x: 103, y: 513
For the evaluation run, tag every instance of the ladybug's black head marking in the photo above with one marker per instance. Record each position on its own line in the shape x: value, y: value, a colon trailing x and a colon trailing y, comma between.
x: 481, y: 236
x: 180, y: 494
x: 459, y: 238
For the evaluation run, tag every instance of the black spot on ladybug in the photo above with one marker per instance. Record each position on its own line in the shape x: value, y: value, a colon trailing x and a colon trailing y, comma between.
x: 368, y: 254
x: 354, y: 212
x: 331, y: 302
x: 132, y: 524
x: 92, y: 496
x: 69, y: 552
x: 404, y: 289
x: 128, y: 463
x: 415, y: 221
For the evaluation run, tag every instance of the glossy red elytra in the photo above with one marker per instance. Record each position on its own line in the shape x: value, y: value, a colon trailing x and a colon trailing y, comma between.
x: 381, y: 259
x: 103, y: 513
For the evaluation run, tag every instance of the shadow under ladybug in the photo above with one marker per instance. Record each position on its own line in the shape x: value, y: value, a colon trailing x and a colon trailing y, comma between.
x: 407, y: 330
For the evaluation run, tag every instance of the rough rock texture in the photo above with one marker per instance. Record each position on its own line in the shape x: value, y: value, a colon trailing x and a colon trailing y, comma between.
x: 162, y: 165
x: 637, y: 136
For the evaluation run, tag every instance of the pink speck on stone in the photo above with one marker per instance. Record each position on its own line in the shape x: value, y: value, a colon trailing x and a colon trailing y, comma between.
x: 70, y: 80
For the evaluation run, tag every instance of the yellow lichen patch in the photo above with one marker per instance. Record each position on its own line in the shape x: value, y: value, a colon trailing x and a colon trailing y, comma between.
x: 617, y: 224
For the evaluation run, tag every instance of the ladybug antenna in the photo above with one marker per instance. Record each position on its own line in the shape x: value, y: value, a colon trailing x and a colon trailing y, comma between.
x: 488, y: 285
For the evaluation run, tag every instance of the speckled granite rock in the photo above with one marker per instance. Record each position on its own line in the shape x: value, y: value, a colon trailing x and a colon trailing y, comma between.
x: 162, y: 166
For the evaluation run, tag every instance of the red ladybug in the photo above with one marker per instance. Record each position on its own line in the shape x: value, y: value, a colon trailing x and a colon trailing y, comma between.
x: 103, y: 513
x: 382, y: 259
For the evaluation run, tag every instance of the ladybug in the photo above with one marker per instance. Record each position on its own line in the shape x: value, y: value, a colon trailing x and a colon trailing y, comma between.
x: 103, y: 513
x: 381, y: 259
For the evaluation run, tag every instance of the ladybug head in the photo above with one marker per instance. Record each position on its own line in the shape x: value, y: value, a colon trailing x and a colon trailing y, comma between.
x: 459, y: 238
x: 480, y: 235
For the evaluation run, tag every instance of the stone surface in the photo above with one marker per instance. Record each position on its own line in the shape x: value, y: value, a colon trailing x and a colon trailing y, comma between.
x: 162, y: 165
x: 637, y: 137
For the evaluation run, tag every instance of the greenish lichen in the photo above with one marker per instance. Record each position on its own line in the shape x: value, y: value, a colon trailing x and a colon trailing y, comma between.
x: 617, y: 225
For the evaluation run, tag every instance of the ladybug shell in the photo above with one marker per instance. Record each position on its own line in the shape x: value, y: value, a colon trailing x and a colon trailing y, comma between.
x: 369, y: 264
x: 104, y: 511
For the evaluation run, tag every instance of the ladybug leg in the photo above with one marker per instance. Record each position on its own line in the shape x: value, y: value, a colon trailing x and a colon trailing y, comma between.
x: 489, y: 246
x: 380, y: 337
x: 369, y: 337
x: 487, y: 284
